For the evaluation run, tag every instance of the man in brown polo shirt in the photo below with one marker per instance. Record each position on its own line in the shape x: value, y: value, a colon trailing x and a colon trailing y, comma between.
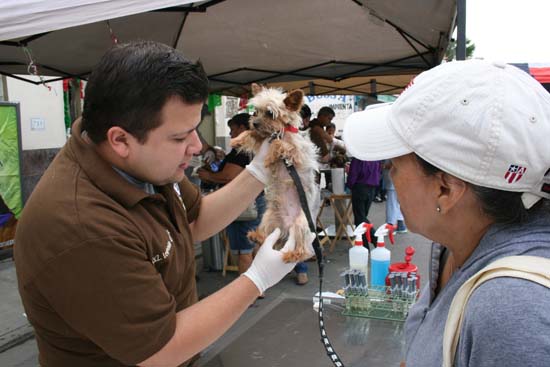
x: 104, y: 248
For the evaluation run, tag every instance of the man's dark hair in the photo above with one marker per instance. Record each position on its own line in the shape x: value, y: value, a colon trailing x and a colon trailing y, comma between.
x: 132, y: 82
x: 241, y: 119
x: 305, y: 112
x: 326, y: 111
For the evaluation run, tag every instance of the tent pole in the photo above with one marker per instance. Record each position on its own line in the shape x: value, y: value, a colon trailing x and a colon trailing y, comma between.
x: 461, y: 30
x: 311, y: 88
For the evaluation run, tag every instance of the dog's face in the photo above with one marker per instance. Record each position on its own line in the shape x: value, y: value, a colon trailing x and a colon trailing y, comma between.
x: 274, y: 110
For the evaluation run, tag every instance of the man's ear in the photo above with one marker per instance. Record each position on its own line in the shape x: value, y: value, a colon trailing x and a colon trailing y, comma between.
x: 119, y: 139
x: 294, y: 100
x: 451, y: 191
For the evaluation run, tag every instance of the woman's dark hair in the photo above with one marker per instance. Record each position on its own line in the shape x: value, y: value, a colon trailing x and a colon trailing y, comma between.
x: 241, y: 119
x: 503, y: 207
x: 132, y: 82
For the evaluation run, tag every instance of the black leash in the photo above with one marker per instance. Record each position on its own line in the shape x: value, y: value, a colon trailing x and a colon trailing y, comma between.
x: 320, y: 261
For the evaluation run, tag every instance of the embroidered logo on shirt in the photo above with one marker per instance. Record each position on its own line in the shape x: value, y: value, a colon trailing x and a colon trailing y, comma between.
x: 168, y: 248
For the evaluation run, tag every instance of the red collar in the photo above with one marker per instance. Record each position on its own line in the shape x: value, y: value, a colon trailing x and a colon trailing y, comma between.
x: 291, y: 129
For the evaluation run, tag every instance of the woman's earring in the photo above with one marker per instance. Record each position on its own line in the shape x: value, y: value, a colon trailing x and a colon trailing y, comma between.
x: 438, y: 209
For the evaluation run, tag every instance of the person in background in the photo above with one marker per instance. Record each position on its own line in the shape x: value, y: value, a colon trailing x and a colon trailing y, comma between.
x: 393, y: 210
x: 305, y: 114
x: 8, y: 223
x: 233, y: 164
x: 318, y: 135
x: 105, y: 258
x: 337, y: 148
x: 301, y: 268
x: 468, y: 141
x: 362, y: 179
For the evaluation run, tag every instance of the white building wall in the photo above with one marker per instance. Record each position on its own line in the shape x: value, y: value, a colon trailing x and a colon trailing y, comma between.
x: 42, y: 116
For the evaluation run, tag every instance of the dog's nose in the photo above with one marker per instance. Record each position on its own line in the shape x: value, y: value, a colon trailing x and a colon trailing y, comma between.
x: 256, y: 124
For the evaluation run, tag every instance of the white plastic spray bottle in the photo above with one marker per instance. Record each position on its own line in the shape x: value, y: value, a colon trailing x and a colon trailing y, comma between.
x: 358, y: 254
x: 380, y: 256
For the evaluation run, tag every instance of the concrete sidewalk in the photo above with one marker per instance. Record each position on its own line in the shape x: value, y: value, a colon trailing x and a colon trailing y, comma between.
x: 15, y: 329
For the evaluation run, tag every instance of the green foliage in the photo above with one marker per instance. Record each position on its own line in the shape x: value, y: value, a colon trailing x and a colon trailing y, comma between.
x: 450, y: 54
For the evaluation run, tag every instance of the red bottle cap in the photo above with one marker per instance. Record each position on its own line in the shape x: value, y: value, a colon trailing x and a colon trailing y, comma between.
x: 407, y: 266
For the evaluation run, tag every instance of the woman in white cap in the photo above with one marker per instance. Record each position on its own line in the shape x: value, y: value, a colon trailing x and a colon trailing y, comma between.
x: 470, y: 147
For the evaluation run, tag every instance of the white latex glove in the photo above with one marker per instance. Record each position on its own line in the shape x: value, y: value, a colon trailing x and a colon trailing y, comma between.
x: 257, y: 166
x: 268, y: 267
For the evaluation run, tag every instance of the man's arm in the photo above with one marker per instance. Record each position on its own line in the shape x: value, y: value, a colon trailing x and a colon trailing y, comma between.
x: 224, y: 205
x: 201, y: 324
x: 317, y: 135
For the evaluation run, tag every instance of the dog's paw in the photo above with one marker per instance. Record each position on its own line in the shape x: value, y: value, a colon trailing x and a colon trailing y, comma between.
x: 242, y: 140
x: 256, y: 236
x: 293, y: 256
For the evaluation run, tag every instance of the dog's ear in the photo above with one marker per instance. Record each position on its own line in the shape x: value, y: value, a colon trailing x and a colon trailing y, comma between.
x: 294, y: 100
x: 256, y: 88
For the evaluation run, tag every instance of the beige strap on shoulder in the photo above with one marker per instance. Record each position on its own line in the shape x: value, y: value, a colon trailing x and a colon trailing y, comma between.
x: 535, y: 269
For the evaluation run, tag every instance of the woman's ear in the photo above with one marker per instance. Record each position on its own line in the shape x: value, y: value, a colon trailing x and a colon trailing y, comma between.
x: 119, y: 139
x: 451, y: 191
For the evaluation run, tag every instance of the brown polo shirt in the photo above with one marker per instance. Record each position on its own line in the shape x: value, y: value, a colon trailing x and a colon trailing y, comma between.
x: 102, y: 266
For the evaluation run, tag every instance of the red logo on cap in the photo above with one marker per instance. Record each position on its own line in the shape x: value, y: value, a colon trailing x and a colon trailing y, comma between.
x: 514, y: 173
x: 408, y: 86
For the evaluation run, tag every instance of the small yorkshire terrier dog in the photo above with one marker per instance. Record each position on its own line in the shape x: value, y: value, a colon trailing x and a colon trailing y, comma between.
x: 277, y: 118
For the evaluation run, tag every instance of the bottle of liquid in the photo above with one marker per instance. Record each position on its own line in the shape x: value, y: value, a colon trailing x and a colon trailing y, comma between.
x: 380, y: 256
x: 358, y: 254
x: 214, y: 166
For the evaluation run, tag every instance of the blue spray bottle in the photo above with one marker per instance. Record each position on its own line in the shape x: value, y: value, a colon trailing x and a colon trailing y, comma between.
x: 380, y: 256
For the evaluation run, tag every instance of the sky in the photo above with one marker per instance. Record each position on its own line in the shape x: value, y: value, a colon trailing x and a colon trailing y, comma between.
x: 509, y: 30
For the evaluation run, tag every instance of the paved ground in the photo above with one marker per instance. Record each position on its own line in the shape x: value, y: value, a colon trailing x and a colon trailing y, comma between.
x: 14, y: 327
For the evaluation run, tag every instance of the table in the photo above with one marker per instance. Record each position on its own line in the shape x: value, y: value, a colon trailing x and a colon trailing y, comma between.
x: 287, y: 334
x: 341, y: 204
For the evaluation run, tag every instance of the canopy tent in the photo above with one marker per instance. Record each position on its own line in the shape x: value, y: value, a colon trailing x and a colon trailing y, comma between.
x: 323, y: 47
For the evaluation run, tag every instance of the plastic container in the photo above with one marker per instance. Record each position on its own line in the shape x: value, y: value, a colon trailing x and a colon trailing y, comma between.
x: 358, y: 254
x: 359, y: 258
x: 380, y: 256
x: 406, y: 267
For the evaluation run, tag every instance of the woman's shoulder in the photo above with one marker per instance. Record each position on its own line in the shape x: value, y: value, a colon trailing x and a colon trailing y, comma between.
x: 507, y: 305
x: 503, y: 319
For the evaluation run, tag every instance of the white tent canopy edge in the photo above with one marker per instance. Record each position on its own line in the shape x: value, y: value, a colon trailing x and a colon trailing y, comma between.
x: 21, y: 18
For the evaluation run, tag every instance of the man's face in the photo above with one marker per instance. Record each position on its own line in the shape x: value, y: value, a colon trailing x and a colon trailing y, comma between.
x: 235, y: 130
x: 325, y: 120
x: 166, y: 153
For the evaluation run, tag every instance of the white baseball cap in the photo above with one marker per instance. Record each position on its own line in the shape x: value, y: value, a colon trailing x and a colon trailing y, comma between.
x: 484, y: 122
